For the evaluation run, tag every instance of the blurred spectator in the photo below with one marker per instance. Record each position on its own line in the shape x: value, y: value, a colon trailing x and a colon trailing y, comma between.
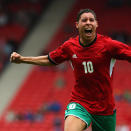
x: 16, y: 18
x: 57, y: 122
x: 29, y: 116
x: 51, y: 107
x: 39, y: 116
x: 127, y: 95
x: 14, y: 45
x: 54, y: 106
x: 60, y: 82
x: 120, y: 36
x: 21, y: 17
x: 5, y: 50
x: 118, y: 97
x: 8, y: 48
x: 10, y: 116
x: 62, y: 67
x: 20, y: 116
x: 3, y: 18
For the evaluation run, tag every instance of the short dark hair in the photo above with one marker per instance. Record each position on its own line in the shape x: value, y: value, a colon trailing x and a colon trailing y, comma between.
x: 85, y: 11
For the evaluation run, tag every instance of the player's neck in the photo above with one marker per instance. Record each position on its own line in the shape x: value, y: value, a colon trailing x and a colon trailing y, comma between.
x: 87, y: 41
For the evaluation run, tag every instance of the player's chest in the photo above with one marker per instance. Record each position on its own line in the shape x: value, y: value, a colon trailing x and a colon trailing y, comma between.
x: 96, y: 54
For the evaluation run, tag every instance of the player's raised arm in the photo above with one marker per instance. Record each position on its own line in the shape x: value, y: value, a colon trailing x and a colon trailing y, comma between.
x: 38, y: 60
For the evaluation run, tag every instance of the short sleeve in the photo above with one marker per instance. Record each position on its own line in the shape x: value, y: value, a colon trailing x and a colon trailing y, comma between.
x: 59, y: 55
x: 119, y: 50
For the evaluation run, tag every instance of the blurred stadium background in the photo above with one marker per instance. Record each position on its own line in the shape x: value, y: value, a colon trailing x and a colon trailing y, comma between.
x: 33, y: 97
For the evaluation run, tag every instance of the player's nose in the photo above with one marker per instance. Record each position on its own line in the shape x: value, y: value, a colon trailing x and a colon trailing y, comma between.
x: 88, y: 22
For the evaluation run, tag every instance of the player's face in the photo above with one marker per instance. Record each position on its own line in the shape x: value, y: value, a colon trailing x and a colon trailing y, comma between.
x: 87, y: 25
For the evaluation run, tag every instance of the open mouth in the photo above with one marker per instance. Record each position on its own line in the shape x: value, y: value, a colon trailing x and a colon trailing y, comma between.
x: 88, y: 31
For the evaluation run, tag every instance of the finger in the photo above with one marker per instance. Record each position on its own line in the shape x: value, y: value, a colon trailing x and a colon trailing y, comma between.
x: 11, y: 57
x: 14, y: 58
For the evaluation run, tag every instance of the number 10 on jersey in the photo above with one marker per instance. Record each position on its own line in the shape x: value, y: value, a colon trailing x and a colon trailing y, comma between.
x: 88, y: 67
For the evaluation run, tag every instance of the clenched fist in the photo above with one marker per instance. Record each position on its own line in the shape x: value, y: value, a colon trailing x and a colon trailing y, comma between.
x: 15, y: 58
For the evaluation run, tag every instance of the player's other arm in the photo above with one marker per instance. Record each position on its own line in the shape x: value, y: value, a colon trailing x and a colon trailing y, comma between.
x: 38, y: 60
x: 120, y: 50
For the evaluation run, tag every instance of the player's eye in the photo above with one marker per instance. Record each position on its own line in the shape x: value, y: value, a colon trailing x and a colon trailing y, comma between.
x: 92, y: 20
x: 84, y: 20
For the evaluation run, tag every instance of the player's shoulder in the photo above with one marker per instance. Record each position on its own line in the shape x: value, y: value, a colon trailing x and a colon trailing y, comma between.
x: 105, y: 40
x: 109, y: 41
x: 104, y: 37
x: 71, y: 41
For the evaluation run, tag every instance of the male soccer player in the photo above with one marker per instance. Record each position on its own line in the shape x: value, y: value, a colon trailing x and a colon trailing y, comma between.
x: 93, y: 57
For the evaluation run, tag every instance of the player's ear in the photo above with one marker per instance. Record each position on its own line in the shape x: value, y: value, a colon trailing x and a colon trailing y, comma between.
x: 76, y: 23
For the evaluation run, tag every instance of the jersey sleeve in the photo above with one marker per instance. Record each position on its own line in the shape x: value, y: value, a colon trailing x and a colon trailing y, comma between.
x: 119, y: 50
x: 59, y: 55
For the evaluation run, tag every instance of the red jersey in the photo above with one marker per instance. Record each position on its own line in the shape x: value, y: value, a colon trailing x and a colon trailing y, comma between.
x: 93, y: 67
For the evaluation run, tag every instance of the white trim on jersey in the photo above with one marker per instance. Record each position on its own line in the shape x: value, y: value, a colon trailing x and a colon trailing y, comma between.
x: 112, y: 63
x: 71, y: 65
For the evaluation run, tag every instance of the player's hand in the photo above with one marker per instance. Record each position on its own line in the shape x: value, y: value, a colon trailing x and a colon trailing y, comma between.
x: 15, y: 58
